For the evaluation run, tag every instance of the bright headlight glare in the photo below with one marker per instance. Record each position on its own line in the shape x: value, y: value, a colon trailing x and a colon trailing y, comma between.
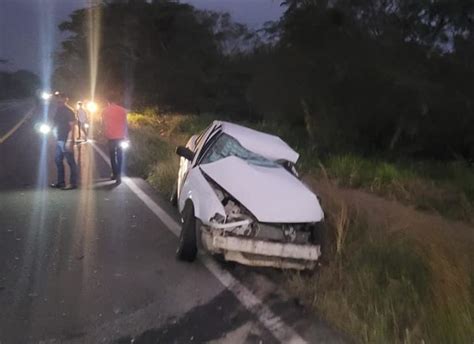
x: 92, y: 107
x: 125, y: 145
x: 86, y: 125
x: 45, y: 95
x: 44, y: 129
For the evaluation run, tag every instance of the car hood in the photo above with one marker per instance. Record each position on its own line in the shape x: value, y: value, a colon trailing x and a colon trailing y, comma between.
x: 271, y: 194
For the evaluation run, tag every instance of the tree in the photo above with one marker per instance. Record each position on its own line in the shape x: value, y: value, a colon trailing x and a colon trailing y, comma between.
x: 19, y: 84
x: 162, y: 53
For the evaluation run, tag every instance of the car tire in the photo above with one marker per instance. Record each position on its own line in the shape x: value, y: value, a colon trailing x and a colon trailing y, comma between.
x: 187, y: 248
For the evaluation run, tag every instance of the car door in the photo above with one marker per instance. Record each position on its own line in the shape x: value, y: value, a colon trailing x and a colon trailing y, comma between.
x: 195, y: 144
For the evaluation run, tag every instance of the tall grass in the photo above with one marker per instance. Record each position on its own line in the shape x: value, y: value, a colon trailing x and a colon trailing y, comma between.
x: 447, y: 189
x: 151, y: 156
x: 385, y: 286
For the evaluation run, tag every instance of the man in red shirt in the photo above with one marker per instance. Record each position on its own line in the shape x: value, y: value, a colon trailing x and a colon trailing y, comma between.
x: 114, y: 119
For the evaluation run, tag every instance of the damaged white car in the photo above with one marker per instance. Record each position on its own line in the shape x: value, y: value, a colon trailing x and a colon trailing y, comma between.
x: 240, y: 197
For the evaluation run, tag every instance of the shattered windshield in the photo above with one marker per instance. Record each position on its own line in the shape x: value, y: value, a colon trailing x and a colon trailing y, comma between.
x: 226, y: 146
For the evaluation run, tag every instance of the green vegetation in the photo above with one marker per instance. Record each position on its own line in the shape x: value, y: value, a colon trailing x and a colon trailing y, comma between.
x: 383, y: 78
x: 445, y: 188
x: 19, y: 84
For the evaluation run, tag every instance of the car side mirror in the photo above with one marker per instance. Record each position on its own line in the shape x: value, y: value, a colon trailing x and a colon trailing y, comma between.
x: 185, y: 153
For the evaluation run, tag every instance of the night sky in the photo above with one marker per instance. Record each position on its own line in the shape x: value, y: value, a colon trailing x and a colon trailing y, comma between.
x: 21, y: 22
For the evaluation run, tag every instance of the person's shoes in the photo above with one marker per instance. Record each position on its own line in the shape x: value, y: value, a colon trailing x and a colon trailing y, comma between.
x: 69, y: 187
x: 113, y: 177
x: 57, y: 185
x: 118, y: 180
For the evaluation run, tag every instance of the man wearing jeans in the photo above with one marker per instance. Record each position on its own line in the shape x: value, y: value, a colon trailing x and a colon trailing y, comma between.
x: 114, y: 118
x: 64, y: 122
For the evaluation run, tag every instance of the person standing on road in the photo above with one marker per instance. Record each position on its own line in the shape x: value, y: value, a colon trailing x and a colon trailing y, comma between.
x: 82, y: 121
x: 64, y: 122
x: 114, y: 119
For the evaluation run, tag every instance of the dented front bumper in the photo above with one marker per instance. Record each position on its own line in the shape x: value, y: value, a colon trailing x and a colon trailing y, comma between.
x: 255, y: 252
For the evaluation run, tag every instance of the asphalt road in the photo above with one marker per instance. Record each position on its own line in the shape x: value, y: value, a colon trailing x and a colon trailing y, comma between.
x: 97, y: 264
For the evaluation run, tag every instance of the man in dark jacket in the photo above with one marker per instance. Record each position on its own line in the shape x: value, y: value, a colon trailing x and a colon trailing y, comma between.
x: 64, y: 122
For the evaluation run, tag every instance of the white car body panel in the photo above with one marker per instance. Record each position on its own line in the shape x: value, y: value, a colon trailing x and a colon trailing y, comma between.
x: 205, y: 201
x: 274, y: 196
x: 271, y: 194
x: 185, y: 165
x: 269, y: 146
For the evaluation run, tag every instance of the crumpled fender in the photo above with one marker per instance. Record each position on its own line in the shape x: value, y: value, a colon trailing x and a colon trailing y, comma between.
x: 197, y: 189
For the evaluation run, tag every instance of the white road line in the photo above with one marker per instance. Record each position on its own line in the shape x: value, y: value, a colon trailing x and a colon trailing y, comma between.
x: 16, y: 127
x: 273, y: 323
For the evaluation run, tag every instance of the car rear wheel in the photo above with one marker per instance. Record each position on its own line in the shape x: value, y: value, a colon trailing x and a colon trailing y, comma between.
x: 187, y: 248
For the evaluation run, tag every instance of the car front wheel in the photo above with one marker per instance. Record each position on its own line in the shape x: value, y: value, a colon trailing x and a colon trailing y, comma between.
x: 187, y: 248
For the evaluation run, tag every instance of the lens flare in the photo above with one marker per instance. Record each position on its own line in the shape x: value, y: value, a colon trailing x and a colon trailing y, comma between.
x: 94, y: 18
x: 46, y: 95
x: 92, y: 107
x: 44, y: 129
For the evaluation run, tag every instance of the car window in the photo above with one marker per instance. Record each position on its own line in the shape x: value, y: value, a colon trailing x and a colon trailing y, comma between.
x: 226, y: 146
x: 207, y: 140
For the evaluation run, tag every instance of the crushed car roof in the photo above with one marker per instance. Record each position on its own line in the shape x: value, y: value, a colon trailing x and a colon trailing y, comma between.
x: 270, y: 146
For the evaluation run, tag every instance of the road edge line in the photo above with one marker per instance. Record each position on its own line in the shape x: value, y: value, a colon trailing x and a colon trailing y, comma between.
x: 273, y: 323
x: 16, y: 127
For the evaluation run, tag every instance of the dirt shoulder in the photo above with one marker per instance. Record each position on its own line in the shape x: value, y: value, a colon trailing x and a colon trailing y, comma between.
x: 395, y: 216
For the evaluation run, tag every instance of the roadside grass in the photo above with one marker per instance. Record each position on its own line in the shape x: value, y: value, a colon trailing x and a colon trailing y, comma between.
x: 381, y: 285
x: 151, y: 156
x: 444, y: 188
x: 387, y: 286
